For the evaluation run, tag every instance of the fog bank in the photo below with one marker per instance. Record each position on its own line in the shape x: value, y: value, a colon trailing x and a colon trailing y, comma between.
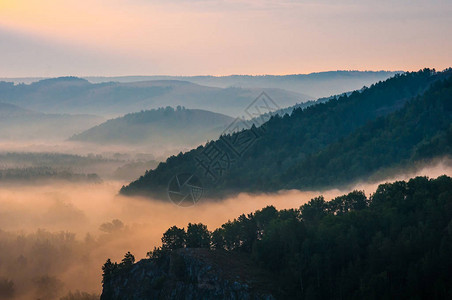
x: 55, y: 238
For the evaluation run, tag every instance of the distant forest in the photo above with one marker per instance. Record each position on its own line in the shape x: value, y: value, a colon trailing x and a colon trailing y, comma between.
x: 35, y: 174
x: 395, y: 244
x: 390, y: 124
x: 158, y: 128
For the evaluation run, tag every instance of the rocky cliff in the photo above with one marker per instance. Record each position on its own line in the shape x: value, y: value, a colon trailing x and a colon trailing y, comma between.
x: 190, y: 274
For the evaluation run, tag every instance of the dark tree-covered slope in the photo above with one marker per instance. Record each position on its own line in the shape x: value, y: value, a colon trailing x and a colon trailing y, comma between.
x: 421, y: 130
x: 335, y: 136
x: 395, y: 244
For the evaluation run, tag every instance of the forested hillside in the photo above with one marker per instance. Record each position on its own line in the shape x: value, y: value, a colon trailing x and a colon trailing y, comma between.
x: 158, y: 127
x: 421, y: 130
x: 390, y: 123
x: 394, y: 244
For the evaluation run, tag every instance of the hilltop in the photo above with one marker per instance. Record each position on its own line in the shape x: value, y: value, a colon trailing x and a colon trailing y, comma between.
x: 328, y: 144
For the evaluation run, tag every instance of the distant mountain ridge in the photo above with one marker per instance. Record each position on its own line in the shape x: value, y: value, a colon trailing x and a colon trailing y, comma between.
x: 161, y: 127
x: 328, y: 139
x: 116, y: 96
x: 77, y: 95
x: 339, y: 81
x: 17, y: 123
x: 318, y: 85
x: 9, y: 110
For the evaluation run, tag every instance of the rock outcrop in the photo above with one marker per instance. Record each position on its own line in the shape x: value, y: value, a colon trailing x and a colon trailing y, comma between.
x: 189, y: 274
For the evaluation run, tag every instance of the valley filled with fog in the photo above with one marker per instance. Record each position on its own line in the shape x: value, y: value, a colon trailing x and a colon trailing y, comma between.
x: 225, y: 150
x: 55, y: 236
x: 77, y: 189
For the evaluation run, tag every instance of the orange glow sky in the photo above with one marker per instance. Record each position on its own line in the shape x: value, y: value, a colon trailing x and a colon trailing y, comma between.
x: 220, y: 37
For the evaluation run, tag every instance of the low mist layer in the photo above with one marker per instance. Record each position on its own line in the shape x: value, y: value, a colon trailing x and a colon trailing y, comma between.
x: 55, y: 238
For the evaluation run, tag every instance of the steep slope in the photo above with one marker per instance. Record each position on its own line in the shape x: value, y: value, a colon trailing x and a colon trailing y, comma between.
x: 162, y: 127
x: 76, y: 95
x: 291, y: 141
x: 397, y: 139
x: 264, y: 117
x: 190, y: 274
x: 17, y: 123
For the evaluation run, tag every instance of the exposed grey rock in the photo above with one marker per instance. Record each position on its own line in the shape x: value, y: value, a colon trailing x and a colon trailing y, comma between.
x: 183, y: 274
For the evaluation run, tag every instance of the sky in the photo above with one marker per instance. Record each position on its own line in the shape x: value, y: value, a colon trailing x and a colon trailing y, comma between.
x: 46, y: 38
